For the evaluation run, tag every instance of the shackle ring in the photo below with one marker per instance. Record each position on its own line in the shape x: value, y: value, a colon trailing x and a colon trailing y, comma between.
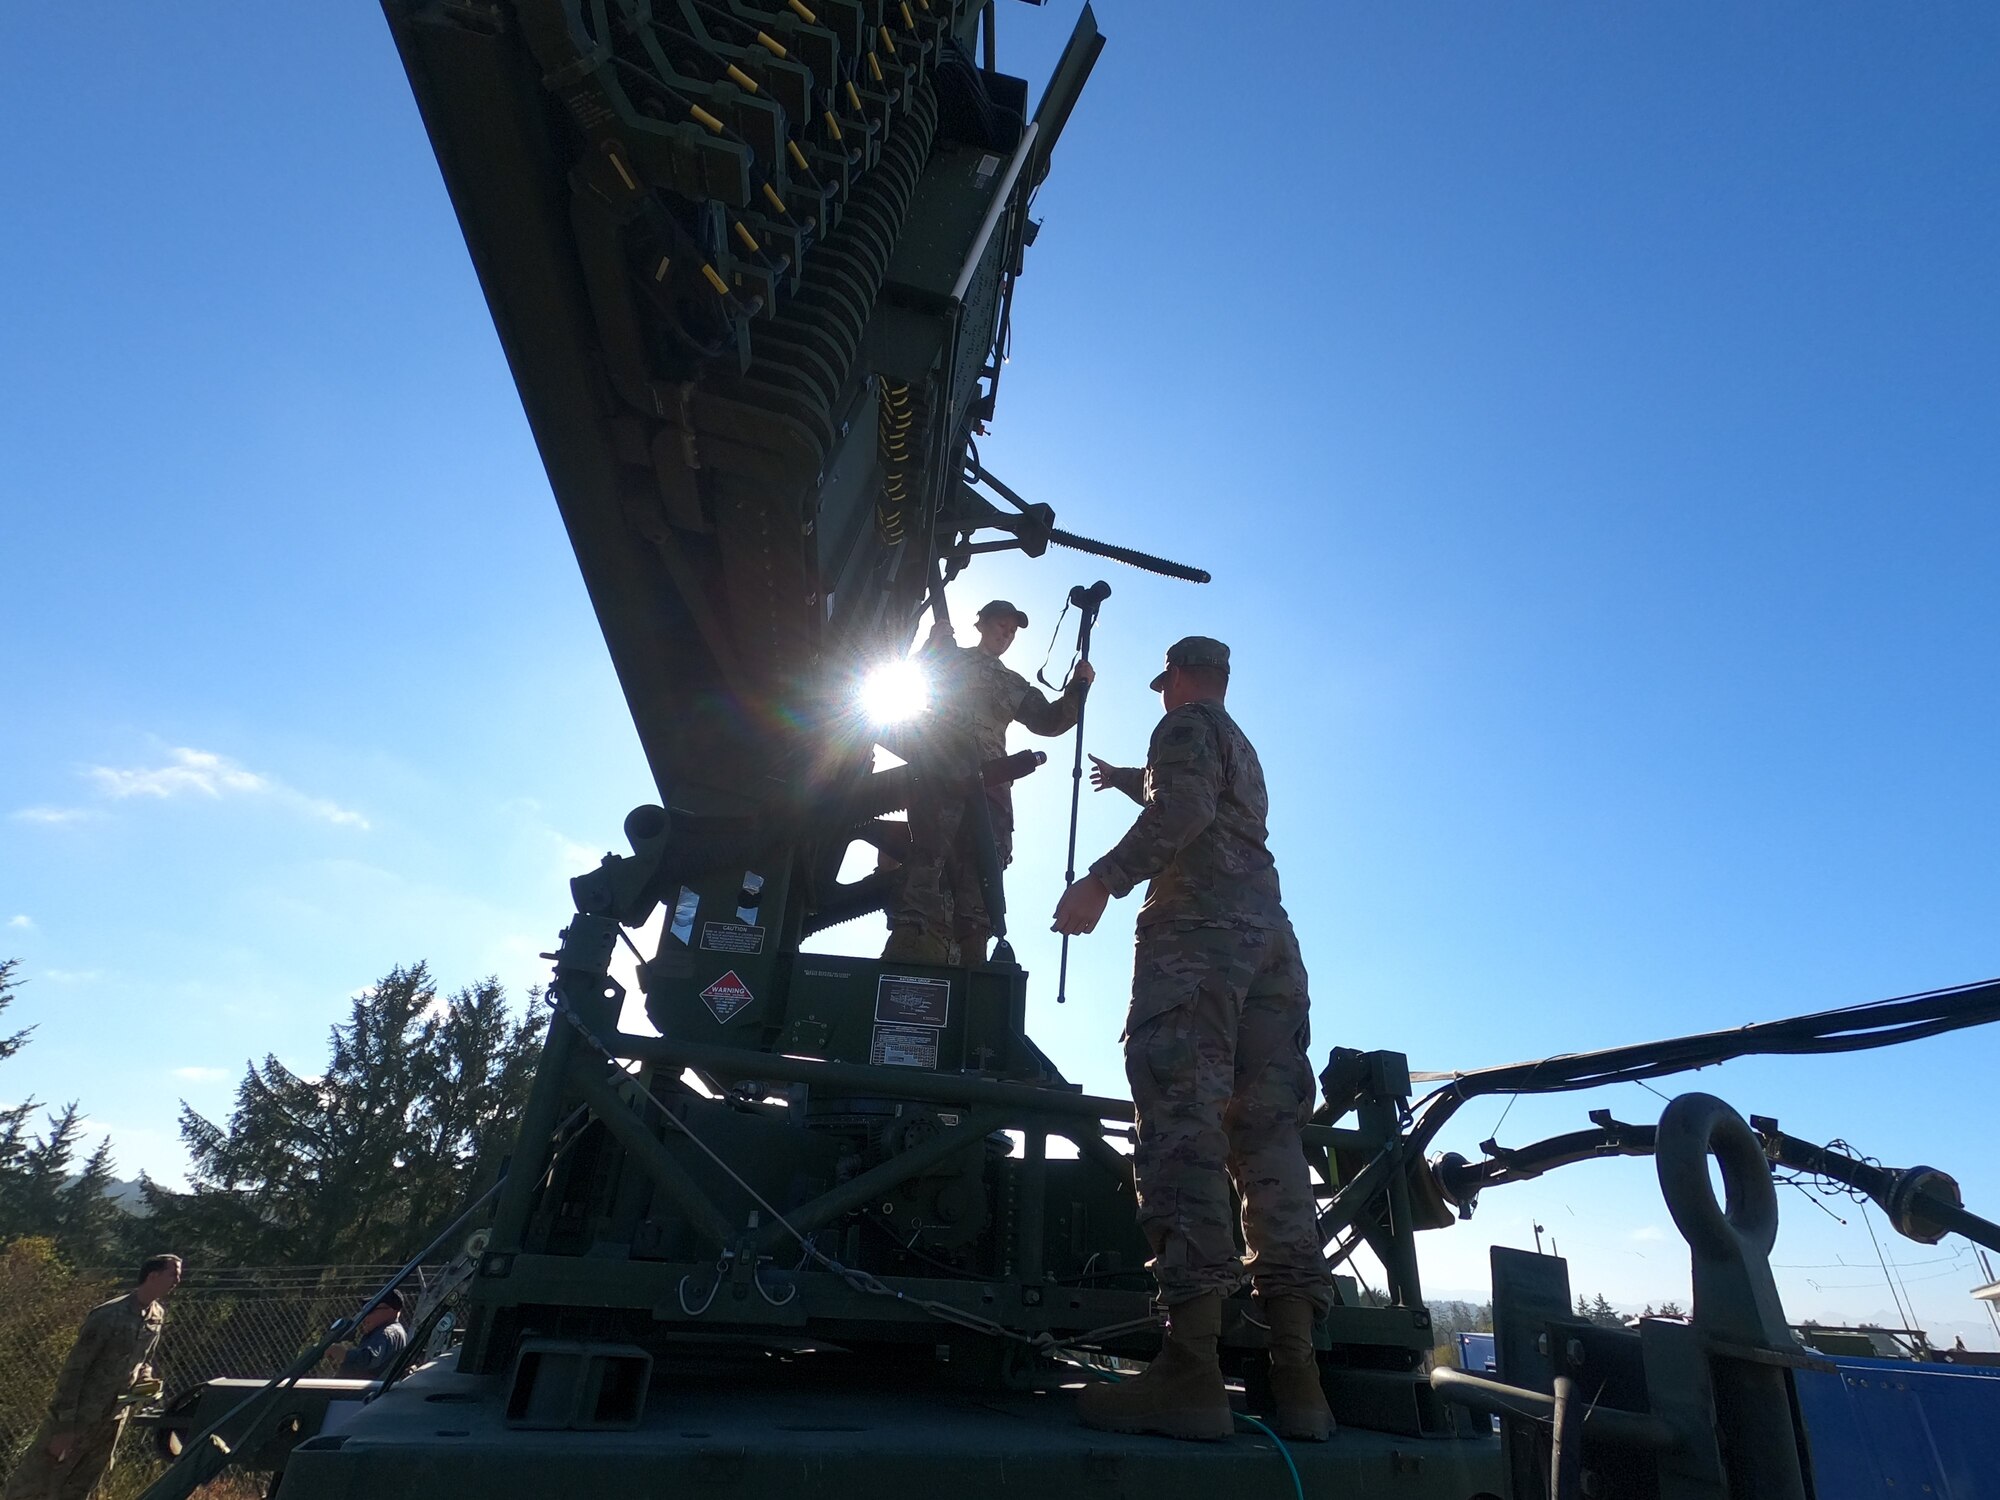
x: 1692, y: 1127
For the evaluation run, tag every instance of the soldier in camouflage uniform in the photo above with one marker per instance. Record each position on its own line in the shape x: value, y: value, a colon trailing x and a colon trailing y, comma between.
x: 1215, y: 1051
x: 939, y: 915
x: 108, y: 1366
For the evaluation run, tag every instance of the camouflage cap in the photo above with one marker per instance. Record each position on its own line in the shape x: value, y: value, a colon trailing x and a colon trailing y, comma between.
x: 1194, y: 651
x: 1002, y: 607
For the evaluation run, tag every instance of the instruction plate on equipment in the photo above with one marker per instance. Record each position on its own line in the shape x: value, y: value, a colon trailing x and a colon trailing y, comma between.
x: 903, y: 1047
x: 732, y: 937
x: 907, y: 1000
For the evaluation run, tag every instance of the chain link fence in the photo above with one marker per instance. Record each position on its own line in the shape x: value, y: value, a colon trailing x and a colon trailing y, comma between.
x: 245, y: 1321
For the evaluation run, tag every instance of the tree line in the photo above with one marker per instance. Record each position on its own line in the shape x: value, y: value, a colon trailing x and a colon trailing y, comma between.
x: 1599, y: 1311
x: 410, y: 1116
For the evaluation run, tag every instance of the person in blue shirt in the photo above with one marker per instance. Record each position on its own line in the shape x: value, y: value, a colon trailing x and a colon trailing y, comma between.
x: 378, y: 1339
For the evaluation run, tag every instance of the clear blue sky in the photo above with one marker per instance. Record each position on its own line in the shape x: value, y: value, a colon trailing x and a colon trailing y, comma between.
x: 1588, y: 414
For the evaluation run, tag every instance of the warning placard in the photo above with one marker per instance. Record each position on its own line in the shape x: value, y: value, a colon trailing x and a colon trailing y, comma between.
x: 907, y: 1000
x: 727, y: 996
x: 903, y: 1047
x: 732, y: 937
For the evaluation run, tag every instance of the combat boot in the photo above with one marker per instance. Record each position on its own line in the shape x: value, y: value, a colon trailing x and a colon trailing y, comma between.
x: 1302, y: 1412
x: 1180, y: 1394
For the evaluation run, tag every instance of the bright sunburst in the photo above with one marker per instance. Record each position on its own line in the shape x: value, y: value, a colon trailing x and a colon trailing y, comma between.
x: 894, y: 692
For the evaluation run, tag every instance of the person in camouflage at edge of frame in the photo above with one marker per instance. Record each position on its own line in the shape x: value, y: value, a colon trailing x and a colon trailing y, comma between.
x: 1215, y: 1052
x: 108, y: 1366
x: 939, y: 914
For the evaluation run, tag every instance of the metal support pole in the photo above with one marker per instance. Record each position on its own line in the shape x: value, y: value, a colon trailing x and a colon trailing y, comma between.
x: 652, y: 1157
x: 861, y: 1078
x: 1030, y: 1228
x: 583, y: 964
x: 1087, y: 602
x: 1566, y: 1445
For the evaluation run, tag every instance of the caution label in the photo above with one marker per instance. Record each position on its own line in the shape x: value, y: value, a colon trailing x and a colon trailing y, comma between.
x: 732, y: 937
x: 727, y: 996
x: 903, y: 1047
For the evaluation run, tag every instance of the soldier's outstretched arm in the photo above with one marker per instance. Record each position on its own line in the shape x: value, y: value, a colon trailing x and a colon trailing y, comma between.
x: 1131, y: 780
x: 1186, y: 766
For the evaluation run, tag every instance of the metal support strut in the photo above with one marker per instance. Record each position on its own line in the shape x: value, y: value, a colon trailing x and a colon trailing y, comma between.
x: 1086, y: 602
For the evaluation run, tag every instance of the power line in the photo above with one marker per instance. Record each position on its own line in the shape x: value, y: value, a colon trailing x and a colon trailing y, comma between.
x: 1909, y: 1319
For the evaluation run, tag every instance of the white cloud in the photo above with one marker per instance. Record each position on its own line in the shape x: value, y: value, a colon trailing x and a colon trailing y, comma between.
x: 203, y: 773
x: 55, y: 815
x: 21, y: 923
x: 1648, y: 1233
x: 201, y: 1074
x: 72, y: 976
x: 573, y: 858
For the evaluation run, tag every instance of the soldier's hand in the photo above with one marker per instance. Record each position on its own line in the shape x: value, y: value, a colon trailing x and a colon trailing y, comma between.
x: 1084, y: 672
x: 1081, y: 906
x: 1103, y: 775
x: 942, y: 635
x: 59, y: 1444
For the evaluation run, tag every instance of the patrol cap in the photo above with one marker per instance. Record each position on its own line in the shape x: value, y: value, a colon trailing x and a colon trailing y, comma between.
x: 1002, y: 607
x: 1194, y: 651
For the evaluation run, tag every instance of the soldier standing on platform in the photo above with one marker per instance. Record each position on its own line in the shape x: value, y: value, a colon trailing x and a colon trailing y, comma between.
x: 1215, y: 1052
x: 108, y: 1366
x: 939, y: 915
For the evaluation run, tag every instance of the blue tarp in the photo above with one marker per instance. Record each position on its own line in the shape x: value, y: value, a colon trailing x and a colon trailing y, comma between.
x: 1891, y: 1427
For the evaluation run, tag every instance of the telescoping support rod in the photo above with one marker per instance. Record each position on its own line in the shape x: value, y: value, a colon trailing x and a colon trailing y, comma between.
x: 1086, y: 602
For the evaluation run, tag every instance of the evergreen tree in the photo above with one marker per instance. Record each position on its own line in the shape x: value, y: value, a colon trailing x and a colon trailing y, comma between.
x: 412, y: 1115
x: 1604, y: 1314
x: 90, y: 1227
x: 43, y: 1195
x: 13, y: 1121
x: 45, y: 1171
x: 1449, y: 1319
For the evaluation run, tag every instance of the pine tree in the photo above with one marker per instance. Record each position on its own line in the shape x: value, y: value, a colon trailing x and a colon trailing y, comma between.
x: 412, y: 1114
x: 9, y: 1045
x: 91, y: 1229
x: 14, y: 1120
x: 42, y: 1193
x: 43, y: 1172
x: 1604, y: 1314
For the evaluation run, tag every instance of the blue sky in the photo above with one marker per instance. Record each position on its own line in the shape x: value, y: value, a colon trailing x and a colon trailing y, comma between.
x: 1587, y: 413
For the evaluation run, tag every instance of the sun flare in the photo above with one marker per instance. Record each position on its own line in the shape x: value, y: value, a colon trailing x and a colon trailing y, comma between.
x: 894, y: 692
